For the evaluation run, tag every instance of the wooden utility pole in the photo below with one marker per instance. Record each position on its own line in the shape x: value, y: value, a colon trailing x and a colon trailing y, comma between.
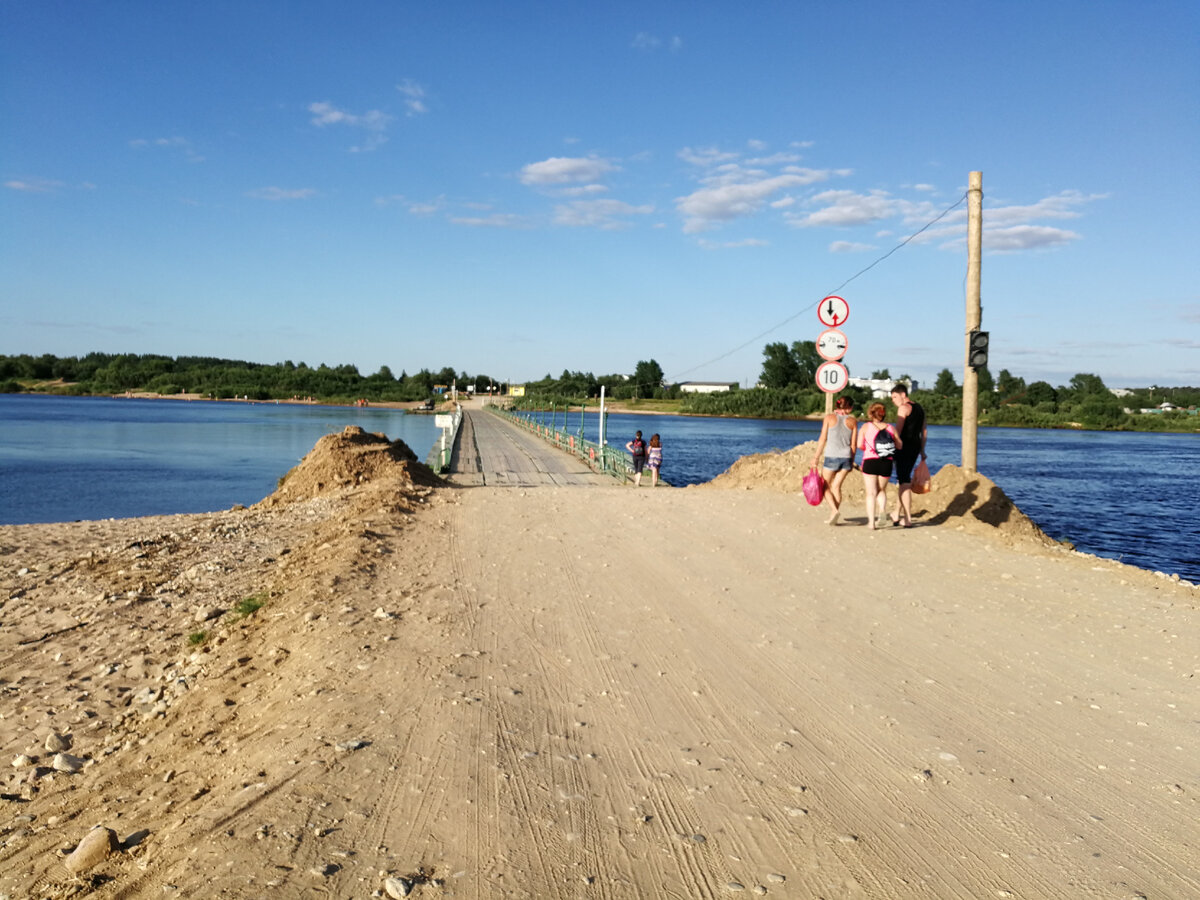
x: 970, y: 390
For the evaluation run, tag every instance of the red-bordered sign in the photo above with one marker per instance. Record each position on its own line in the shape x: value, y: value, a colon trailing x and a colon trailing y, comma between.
x: 833, y: 311
x: 832, y: 377
x: 832, y: 344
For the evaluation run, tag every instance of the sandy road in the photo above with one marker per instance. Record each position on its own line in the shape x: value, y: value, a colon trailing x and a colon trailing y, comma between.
x: 686, y: 693
x: 546, y: 690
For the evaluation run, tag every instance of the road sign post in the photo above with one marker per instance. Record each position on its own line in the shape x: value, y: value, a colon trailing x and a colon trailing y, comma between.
x: 832, y: 376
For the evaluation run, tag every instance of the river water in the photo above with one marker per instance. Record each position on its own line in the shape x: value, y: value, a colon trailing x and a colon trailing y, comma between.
x: 1128, y: 496
x: 67, y: 458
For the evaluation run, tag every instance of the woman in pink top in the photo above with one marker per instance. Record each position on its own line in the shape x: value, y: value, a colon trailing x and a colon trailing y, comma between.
x: 879, y: 443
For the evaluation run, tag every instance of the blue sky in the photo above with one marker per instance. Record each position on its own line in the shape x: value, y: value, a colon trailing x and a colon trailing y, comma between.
x: 520, y: 188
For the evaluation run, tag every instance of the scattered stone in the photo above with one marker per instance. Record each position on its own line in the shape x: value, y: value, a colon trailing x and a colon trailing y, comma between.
x: 65, y: 762
x: 350, y: 746
x: 21, y: 761
x: 57, y: 743
x: 147, y: 696
x: 324, y: 870
x: 396, y: 887
x: 99, y: 844
x: 776, y: 878
x: 735, y: 886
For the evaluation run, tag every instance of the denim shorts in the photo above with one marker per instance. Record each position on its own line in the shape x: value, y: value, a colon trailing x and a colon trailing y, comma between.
x: 836, y: 465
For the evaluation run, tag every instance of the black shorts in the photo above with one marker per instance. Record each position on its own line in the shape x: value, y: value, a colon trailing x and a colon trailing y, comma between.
x: 877, y: 467
x: 639, y: 463
x: 904, y: 466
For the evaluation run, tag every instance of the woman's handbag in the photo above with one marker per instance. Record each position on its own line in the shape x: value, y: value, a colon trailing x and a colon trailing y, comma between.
x: 814, y: 487
x: 922, y: 482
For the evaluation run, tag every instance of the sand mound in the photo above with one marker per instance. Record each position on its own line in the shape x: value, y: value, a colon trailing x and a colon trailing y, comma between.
x: 958, y: 498
x: 349, y: 459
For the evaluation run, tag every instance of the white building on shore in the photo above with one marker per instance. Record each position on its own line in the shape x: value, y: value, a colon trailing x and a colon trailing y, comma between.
x: 706, y: 387
x: 881, y: 388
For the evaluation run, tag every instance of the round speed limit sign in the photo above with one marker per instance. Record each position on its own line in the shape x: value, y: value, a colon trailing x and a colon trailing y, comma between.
x: 832, y: 377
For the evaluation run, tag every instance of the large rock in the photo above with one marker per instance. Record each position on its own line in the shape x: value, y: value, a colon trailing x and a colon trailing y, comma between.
x: 99, y: 844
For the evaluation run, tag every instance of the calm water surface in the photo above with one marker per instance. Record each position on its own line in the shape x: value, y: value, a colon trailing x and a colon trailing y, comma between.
x: 1122, y: 495
x: 67, y: 458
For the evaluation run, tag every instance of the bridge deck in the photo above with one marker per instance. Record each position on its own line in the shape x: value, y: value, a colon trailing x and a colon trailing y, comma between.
x: 490, y: 451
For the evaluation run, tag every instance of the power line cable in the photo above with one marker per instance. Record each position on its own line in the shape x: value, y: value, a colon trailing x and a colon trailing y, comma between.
x: 801, y: 312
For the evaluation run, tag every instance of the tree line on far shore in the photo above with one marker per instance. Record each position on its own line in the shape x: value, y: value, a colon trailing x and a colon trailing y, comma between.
x: 786, y: 388
x: 107, y: 374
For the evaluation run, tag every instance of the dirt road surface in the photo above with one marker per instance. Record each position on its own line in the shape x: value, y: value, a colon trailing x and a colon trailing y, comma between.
x: 593, y: 692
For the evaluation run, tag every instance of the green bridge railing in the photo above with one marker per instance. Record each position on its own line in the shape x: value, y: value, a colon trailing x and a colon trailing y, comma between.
x: 607, y: 459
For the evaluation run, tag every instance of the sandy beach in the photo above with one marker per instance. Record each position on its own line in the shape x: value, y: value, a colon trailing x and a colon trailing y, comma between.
x: 376, y: 683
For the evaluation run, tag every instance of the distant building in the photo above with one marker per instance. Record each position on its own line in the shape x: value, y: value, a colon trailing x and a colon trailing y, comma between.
x: 881, y: 387
x: 1120, y: 392
x: 706, y: 387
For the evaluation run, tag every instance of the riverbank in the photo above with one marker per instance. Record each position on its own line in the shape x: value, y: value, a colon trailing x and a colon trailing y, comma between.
x: 551, y: 692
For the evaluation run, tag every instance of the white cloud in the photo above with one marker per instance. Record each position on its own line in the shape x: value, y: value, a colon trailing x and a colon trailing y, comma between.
x: 584, y: 190
x: 374, y: 122
x: 706, y: 156
x: 496, y: 220
x: 606, y: 213
x: 733, y: 187
x: 34, y: 185
x: 560, y: 170
x: 1064, y: 205
x: 732, y: 199
x: 278, y: 193
x: 732, y: 245
x: 168, y: 143
x: 849, y: 247
x: 842, y: 208
x: 1024, y: 237
x: 648, y: 43
x: 775, y: 159
x: 426, y: 209
x: 414, y: 97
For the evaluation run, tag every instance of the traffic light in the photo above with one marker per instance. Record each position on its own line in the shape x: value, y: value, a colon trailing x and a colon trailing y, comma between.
x: 977, y: 349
